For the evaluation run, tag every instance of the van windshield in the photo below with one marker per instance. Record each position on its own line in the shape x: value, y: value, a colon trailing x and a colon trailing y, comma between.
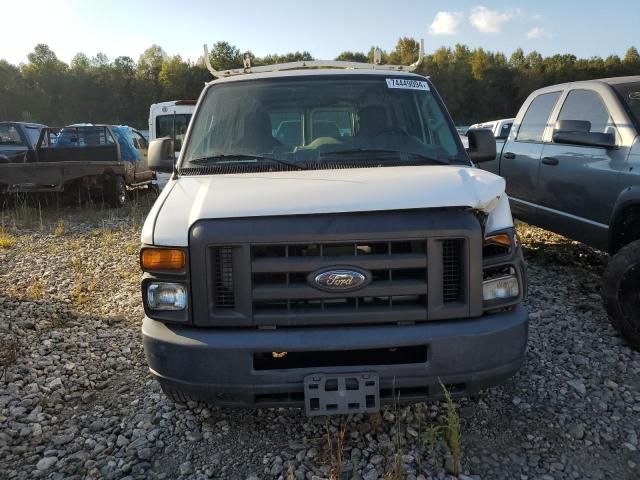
x: 307, y: 121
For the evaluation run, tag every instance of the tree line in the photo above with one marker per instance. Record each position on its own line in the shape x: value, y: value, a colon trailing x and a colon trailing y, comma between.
x: 475, y: 84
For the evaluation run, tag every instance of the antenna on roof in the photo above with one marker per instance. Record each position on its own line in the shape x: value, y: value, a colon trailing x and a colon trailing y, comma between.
x: 417, y: 63
x: 207, y: 62
x: 377, y: 56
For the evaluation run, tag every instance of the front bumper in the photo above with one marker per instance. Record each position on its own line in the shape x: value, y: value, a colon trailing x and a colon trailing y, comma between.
x: 217, y: 365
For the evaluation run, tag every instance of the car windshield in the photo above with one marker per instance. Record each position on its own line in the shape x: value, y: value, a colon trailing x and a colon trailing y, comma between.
x: 310, y: 120
x: 630, y: 94
x: 9, y: 135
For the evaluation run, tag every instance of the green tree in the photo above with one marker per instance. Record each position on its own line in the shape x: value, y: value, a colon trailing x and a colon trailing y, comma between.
x: 80, y: 62
x: 274, y: 58
x: 405, y: 52
x: 224, y: 56
x: 349, y: 56
x: 150, y: 63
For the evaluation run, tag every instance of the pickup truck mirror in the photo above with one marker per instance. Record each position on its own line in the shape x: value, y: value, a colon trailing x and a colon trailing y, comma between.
x: 160, y: 155
x: 482, y: 145
x: 576, y: 132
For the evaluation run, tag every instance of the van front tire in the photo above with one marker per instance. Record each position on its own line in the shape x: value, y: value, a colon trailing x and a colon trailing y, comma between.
x: 621, y: 292
x: 175, y: 395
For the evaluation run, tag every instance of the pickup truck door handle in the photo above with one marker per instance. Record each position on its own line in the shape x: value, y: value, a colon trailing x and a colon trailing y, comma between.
x: 550, y: 161
x: 509, y: 155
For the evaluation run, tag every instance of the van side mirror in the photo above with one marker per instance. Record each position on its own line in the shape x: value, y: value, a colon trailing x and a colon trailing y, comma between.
x: 160, y: 155
x: 482, y: 145
x: 576, y: 132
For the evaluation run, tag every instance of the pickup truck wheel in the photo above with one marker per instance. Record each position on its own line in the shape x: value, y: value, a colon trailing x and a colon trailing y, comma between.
x: 621, y: 292
x: 176, y: 396
x: 117, y: 192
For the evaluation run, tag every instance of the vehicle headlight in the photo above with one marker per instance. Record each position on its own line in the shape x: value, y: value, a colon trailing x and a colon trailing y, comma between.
x: 500, y: 288
x: 166, y: 296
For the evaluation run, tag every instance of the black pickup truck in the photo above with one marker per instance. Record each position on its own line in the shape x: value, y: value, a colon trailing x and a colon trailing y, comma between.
x: 100, y: 161
x: 572, y: 166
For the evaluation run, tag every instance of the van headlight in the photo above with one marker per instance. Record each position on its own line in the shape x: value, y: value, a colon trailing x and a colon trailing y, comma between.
x: 166, y: 296
x: 500, y: 288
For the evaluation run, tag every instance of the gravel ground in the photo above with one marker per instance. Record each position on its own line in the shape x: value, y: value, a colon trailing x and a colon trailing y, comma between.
x: 76, y: 400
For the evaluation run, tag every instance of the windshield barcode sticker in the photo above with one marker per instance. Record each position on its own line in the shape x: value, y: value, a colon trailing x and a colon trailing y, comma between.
x: 407, y: 84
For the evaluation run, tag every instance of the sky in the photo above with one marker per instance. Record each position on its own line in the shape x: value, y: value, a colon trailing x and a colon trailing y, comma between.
x: 323, y: 27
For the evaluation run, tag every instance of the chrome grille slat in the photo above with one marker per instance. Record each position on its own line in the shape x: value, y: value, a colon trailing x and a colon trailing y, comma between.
x: 398, y: 268
x: 370, y: 262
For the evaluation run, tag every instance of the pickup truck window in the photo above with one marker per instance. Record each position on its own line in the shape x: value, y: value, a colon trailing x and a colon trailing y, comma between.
x: 586, y: 105
x: 535, y: 120
x: 34, y: 135
x: 9, y: 135
x: 306, y: 120
x: 630, y: 95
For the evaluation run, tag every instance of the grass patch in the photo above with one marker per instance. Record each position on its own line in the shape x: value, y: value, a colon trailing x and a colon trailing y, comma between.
x: 453, y: 431
x: 59, y: 230
x: 82, y: 291
x: 35, y: 291
x: 132, y: 248
x: 8, y: 355
x: 335, y: 447
x: 395, y: 470
x: 6, y: 240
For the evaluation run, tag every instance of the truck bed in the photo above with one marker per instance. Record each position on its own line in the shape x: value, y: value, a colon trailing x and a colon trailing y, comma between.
x: 52, y: 176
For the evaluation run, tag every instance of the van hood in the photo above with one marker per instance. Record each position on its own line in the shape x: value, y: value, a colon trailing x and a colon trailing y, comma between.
x: 186, y: 200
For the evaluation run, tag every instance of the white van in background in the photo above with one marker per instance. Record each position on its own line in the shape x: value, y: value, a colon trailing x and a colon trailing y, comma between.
x: 162, y: 118
x: 500, y: 128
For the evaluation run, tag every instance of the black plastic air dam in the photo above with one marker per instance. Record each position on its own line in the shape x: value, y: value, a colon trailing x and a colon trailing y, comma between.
x: 217, y: 364
x: 346, y: 358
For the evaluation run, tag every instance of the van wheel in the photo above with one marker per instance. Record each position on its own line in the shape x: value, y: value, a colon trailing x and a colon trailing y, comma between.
x: 117, y: 196
x: 176, y: 396
x: 621, y: 292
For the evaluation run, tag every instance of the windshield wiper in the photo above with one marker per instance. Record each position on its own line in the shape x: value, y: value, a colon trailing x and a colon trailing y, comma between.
x: 384, y: 150
x: 223, y: 158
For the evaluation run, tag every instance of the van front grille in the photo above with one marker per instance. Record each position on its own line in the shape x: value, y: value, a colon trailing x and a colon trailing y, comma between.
x: 263, y: 271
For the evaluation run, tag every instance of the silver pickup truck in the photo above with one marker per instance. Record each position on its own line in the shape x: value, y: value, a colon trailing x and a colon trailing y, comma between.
x: 572, y: 166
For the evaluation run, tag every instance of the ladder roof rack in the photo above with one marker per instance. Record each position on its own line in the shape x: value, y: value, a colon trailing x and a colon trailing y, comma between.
x: 301, y: 65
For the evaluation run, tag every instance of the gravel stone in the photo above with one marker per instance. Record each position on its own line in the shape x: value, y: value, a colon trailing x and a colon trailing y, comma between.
x: 46, y: 463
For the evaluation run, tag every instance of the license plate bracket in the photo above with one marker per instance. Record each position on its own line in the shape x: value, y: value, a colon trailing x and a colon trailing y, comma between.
x: 341, y: 394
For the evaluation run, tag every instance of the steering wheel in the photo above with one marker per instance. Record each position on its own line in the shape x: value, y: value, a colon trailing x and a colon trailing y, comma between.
x: 392, y: 131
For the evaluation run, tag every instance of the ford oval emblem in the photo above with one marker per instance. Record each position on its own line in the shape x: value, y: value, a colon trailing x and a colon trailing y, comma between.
x: 339, y: 279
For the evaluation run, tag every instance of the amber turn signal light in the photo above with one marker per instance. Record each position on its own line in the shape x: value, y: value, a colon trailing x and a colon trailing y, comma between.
x: 501, y: 239
x: 162, y: 259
